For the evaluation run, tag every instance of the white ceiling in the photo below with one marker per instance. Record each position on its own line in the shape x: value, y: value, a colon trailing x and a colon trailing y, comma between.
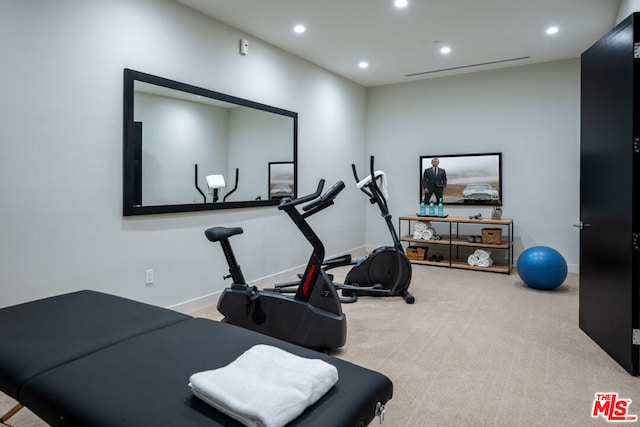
x: 400, y: 42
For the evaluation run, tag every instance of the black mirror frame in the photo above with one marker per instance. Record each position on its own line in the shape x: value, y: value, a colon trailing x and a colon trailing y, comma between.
x: 130, y: 193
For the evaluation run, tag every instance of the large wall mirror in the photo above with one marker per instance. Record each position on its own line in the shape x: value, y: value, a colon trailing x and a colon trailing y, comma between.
x: 192, y: 149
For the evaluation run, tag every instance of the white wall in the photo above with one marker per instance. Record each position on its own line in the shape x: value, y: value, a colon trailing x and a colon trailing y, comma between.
x: 531, y: 114
x: 61, y: 150
x: 627, y: 7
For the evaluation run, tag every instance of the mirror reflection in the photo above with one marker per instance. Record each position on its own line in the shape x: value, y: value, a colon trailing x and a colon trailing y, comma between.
x: 188, y: 148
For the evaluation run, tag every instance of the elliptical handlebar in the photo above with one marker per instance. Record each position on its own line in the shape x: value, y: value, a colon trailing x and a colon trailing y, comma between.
x: 371, y: 188
x: 234, y: 188
x: 355, y: 172
x: 355, y: 175
x: 377, y: 193
x: 376, y: 197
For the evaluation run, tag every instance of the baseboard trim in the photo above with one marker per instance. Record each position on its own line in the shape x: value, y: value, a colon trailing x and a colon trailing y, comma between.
x: 208, y: 300
x: 195, y: 304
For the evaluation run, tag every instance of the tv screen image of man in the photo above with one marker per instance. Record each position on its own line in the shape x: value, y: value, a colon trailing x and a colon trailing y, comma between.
x: 434, y: 181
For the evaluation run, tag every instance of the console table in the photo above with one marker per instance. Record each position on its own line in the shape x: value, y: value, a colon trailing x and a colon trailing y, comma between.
x: 455, y: 246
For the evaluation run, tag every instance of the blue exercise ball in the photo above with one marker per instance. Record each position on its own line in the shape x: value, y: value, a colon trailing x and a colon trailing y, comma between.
x: 542, y: 267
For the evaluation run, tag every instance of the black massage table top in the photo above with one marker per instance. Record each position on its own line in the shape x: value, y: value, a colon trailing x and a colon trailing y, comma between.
x: 46, y: 333
x: 120, y: 384
x: 142, y: 379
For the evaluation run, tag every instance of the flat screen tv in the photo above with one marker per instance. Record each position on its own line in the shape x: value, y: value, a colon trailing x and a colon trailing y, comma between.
x: 472, y: 179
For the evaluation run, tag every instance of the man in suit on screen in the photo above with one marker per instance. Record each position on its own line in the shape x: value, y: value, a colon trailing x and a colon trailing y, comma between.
x: 434, y: 181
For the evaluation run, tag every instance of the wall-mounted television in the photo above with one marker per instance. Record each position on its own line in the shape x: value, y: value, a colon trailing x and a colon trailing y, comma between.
x: 472, y: 179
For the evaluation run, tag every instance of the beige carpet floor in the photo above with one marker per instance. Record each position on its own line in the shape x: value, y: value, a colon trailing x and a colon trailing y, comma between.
x: 476, y: 349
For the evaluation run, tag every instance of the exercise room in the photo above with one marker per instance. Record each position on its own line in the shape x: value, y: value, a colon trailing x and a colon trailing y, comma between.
x: 277, y: 212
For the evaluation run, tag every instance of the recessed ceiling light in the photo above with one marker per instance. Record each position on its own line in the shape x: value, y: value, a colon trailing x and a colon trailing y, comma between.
x: 445, y: 50
x: 552, y: 30
x: 299, y: 29
x: 363, y: 64
x: 400, y: 3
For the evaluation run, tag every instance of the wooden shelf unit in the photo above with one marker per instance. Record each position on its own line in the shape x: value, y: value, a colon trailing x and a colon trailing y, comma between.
x: 452, y: 242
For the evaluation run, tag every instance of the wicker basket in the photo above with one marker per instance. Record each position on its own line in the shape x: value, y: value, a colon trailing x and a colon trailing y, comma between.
x: 491, y: 236
x: 417, y: 253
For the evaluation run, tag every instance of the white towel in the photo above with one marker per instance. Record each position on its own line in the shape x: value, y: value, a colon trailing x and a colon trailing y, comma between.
x: 427, y: 234
x: 417, y: 234
x: 383, y: 183
x: 265, y: 386
x: 483, y: 253
x: 215, y: 182
x: 485, y: 262
x: 472, y: 260
x: 421, y: 226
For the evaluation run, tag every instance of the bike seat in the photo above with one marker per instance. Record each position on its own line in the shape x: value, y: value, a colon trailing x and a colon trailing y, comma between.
x: 215, y: 234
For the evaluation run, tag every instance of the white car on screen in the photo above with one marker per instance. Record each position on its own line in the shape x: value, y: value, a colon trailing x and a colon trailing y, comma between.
x: 483, y: 192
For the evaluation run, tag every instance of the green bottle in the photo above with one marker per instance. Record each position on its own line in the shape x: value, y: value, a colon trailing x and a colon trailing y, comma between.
x: 423, y: 208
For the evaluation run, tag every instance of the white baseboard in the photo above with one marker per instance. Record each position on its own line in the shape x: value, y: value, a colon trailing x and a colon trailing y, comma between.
x: 211, y: 299
x: 195, y: 304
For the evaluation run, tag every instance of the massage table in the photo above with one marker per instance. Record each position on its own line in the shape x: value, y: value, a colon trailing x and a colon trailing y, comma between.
x: 88, y: 358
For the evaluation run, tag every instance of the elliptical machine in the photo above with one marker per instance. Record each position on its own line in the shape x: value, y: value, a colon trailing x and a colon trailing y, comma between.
x: 387, y: 270
x: 312, y: 318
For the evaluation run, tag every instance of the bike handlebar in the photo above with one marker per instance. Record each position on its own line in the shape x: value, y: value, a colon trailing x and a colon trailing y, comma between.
x: 326, y: 197
x: 293, y: 202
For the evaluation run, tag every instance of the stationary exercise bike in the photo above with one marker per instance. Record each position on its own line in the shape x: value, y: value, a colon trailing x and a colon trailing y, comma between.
x: 313, y: 317
x: 387, y: 270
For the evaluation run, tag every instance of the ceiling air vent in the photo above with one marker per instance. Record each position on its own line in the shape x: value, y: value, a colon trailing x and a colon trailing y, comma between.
x: 467, y: 66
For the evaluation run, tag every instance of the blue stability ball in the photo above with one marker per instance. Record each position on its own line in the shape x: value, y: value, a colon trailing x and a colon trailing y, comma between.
x: 542, y: 267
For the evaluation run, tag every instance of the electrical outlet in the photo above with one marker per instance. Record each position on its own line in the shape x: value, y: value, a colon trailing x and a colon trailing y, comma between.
x: 148, y: 277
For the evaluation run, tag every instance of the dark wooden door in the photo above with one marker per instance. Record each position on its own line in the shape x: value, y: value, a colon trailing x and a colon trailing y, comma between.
x: 609, y: 291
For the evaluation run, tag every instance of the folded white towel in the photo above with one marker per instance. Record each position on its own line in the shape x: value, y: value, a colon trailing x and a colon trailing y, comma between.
x: 417, y: 234
x: 421, y: 226
x: 485, y: 262
x: 472, y: 260
x: 483, y: 253
x: 383, y: 182
x: 427, y: 234
x: 265, y: 386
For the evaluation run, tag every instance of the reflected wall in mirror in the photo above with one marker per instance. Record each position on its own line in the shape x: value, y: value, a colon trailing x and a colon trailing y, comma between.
x: 280, y: 180
x: 191, y: 149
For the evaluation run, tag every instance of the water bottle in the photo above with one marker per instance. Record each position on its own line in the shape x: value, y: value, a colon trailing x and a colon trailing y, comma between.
x: 423, y: 208
x: 440, y: 208
x: 432, y: 210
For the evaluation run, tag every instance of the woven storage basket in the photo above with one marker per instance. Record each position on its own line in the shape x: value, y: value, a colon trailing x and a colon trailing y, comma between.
x: 491, y: 236
x: 417, y: 253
